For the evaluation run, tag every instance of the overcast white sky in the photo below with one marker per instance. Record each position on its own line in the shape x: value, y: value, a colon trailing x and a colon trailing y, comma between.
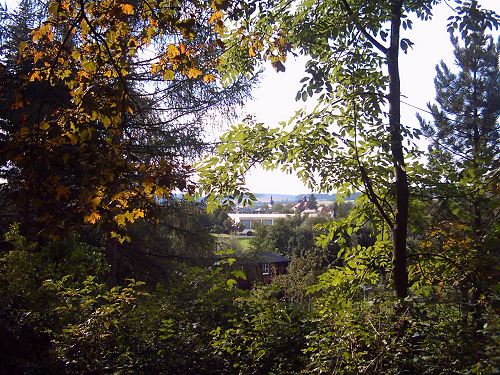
x: 274, y: 100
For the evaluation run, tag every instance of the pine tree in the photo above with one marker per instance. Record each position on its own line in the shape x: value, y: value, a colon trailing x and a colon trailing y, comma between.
x: 312, y: 203
x: 464, y: 132
x: 132, y: 134
x: 464, y: 164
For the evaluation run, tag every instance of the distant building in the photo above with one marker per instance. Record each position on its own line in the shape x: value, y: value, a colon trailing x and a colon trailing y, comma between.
x: 271, y: 202
x: 301, y: 206
x: 249, y: 221
x: 310, y: 212
x: 261, y: 268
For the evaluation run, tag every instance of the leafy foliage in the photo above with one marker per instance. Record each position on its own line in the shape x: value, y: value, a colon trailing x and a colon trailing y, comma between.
x: 266, y: 338
x: 289, y: 237
x: 85, y: 141
x: 458, y: 249
x: 84, y: 136
x: 65, y: 323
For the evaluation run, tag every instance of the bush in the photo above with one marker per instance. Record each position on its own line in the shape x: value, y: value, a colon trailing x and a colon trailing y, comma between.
x: 267, y: 337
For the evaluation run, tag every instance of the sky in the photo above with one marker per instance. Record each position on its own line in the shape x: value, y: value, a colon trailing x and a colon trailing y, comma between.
x: 274, y: 99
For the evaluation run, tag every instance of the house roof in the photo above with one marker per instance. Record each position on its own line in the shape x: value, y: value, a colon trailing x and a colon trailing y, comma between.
x: 267, y: 257
x: 258, y: 216
x: 272, y: 258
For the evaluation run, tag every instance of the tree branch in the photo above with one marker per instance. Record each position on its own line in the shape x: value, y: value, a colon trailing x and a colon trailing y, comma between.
x: 363, y: 30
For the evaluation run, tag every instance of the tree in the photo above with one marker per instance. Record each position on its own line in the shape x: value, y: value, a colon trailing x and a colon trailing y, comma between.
x: 102, y: 110
x: 341, y: 41
x: 312, y: 203
x: 463, y: 162
x: 84, y: 139
x: 217, y: 219
x: 179, y: 233
x: 464, y: 131
x: 345, y: 143
x: 274, y: 237
x: 230, y: 226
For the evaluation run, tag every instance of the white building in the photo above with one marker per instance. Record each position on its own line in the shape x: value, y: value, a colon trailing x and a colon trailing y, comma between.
x: 250, y: 220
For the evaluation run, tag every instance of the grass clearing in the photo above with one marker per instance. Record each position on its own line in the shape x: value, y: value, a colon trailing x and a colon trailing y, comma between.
x: 233, y: 241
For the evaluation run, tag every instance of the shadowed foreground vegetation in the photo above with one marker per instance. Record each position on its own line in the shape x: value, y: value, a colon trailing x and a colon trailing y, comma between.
x: 112, y: 258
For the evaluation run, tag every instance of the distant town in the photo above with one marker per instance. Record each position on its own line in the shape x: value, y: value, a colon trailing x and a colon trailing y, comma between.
x: 271, y: 207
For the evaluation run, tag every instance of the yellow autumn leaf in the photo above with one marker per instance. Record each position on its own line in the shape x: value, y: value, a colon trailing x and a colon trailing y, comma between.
x: 73, y: 139
x: 132, y: 42
x: 119, y: 237
x: 108, y: 73
x: 128, y: 9
x: 251, y: 52
x: 121, y: 199
x: 92, y: 218
x: 120, y: 220
x: 148, y: 185
x: 37, y: 55
x: 172, y: 51
x: 53, y: 8
x: 89, y: 66
x: 64, y: 73
x: 194, y: 73
x: 106, y: 121
x: 83, y: 74
x: 138, y: 213
x: 96, y: 201
x: 123, y: 238
x: 35, y: 76
x: 159, y: 191
x: 44, y: 125
x: 155, y: 68
x: 41, y: 31
x: 216, y: 16
x: 129, y: 215
x: 208, y: 78
x: 219, y: 27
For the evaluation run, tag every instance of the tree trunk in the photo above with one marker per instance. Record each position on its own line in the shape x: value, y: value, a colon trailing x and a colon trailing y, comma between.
x: 400, y: 229
x: 477, y: 223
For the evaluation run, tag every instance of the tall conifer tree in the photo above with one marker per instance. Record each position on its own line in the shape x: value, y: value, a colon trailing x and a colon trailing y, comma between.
x: 464, y: 131
x: 464, y: 162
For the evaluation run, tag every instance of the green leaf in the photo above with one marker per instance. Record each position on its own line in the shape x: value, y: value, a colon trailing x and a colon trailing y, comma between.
x: 239, y: 274
x: 231, y: 283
